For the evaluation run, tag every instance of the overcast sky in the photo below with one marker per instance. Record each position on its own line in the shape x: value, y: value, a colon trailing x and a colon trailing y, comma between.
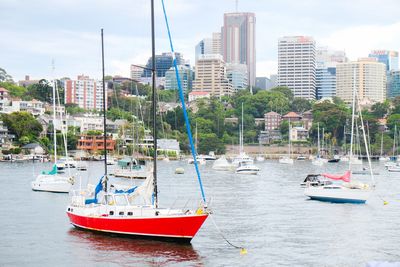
x: 32, y: 33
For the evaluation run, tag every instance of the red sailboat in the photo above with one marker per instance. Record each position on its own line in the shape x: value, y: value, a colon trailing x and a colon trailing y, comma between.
x: 135, y: 212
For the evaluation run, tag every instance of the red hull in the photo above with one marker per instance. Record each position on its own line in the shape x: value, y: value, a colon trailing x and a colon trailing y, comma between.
x: 180, y: 227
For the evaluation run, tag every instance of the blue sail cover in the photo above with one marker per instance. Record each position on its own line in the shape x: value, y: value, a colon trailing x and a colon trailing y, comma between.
x: 52, y: 172
x: 131, y: 190
x: 98, y: 188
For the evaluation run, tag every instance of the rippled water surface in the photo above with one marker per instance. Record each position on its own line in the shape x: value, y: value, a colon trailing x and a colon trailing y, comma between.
x: 268, y: 214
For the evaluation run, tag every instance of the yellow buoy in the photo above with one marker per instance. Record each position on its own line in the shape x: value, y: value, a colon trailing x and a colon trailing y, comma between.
x: 243, y: 251
x: 385, y: 202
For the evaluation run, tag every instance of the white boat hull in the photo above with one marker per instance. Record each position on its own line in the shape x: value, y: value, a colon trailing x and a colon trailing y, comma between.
x: 52, y: 183
x: 247, y: 169
x: 286, y: 161
x: 394, y: 169
x: 342, y: 195
x: 127, y: 173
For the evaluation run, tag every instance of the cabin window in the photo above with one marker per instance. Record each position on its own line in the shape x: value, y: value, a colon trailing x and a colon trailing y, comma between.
x: 130, y: 213
x: 111, y: 212
x: 121, y: 213
x: 121, y: 200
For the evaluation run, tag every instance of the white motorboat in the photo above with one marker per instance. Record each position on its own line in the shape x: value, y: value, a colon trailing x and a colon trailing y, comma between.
x: 395, y: 168
x: 207, y: 157
x: 301, y: 157
x: 242, y: 157
x: 285, y: 160
x: 247, y: 168
x: 199, y: 161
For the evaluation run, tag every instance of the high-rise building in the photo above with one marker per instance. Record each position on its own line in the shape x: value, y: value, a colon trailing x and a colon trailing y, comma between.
x: 393, y: 84
x: 136, y: 72
x: 261, y: 82
x: 296, y: 65
x: 325, y: 74
x: 163, y: 63
x: 210, y: 76
x: 239, y: 41
x: 185, y: 75
x: 389, y: 58
x: 237, y: 75
x: 85, y: 92
x: 367, y: 76
x: 209, y: 45
x: 273, y: 81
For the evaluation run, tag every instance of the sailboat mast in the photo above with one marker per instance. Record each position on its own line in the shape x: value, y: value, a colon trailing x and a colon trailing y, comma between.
x: 241, y: 134
x: 153, y: 71
x: 54, y: 122
x: 394, y: 140
x: 104, y: 113
x: 319, y: 148
x: 290, y: 145
x: 352, y: 119
x: 381, y: 143
x: 344, y: 140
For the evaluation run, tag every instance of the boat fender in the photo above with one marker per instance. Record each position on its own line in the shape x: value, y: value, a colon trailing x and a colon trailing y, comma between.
x: 199, y: 211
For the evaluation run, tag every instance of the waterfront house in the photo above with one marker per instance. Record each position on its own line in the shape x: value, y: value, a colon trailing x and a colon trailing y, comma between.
x: 298, y: 134
x: 272, y: 120
x: 94, y: 143
x: 33, y: 149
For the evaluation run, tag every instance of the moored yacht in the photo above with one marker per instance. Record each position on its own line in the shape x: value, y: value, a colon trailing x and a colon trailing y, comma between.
x: 247, y: 168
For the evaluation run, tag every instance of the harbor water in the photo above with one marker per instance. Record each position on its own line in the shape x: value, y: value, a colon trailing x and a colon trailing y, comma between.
x: 267, y: 214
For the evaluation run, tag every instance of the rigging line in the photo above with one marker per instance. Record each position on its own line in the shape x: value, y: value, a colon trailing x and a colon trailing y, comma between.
x: 64, y: 134
x: 243, y: 250
x: 189, y: 132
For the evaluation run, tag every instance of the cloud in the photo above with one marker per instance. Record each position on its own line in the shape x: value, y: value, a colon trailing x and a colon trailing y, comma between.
x: 360, y: 40
x: 266, y: 68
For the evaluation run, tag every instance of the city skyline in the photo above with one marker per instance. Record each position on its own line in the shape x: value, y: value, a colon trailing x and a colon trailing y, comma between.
x: 63, y: 31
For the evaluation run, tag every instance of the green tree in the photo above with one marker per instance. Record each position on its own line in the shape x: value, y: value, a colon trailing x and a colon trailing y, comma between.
x: 14, y: 90
x: 379, y: 110
x: 210, y: 142
x: 73, y: 109
x: 286, y: 91
x: 23, y: 124
x: 331, y: 117
x: 43, y: 91
x: 300, y: 104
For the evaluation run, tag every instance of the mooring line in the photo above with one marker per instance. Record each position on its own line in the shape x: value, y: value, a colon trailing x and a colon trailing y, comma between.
x: 242, y: 249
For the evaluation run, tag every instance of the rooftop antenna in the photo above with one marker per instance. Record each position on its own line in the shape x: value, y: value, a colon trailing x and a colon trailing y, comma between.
x: 236, y: 5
